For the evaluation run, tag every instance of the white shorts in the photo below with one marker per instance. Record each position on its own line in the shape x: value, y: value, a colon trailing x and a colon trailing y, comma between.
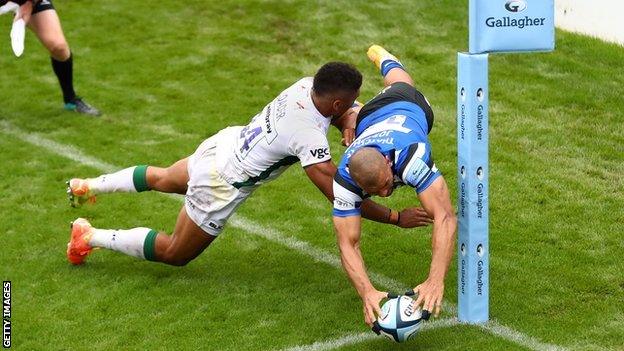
x: 210, y: 200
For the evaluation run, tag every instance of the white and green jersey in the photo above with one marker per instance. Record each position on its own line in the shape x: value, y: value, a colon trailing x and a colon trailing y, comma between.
x: 288, y: 130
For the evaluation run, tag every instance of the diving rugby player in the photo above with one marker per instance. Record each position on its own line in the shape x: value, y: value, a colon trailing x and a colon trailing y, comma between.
x: 226, y: 169
x: 392, y: 149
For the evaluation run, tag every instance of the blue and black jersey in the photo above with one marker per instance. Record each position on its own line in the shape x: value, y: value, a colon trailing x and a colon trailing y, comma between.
x: 396, y: 122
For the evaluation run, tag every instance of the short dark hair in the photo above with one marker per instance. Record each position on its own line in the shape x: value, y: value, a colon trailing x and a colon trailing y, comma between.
x: 337, y: 76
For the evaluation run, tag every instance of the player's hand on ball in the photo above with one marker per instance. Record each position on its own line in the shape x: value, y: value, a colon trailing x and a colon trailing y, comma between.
x: 348, y: 135
x: 414, y: 217
x: 370, y: 305
x: 430, y: 295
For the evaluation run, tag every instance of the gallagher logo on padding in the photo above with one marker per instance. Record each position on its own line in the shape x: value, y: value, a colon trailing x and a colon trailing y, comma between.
x: 515, y: 6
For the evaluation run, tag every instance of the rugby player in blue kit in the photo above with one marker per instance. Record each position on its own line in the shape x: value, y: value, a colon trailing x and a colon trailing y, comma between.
x: 392, y: 149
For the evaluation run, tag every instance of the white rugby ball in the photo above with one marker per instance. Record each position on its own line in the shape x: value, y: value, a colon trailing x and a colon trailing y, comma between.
x: 400, y: 319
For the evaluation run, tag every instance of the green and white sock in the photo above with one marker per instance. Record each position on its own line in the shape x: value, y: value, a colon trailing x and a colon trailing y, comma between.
x: 137, y: 242
x: 129, y: 180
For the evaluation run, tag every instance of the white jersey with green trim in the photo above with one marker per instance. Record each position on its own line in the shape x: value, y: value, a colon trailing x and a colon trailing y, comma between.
x: 288, y: 130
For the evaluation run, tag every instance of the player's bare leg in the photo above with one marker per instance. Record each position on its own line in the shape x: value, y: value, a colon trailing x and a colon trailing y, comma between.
x: 187, y: 241
x: 172, y: 179
x: 47, y: 27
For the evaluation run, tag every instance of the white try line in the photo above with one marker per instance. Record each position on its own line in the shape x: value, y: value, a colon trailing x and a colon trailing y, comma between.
x: 303, y: 247
x: 367, y: 336
x: 320, y: 255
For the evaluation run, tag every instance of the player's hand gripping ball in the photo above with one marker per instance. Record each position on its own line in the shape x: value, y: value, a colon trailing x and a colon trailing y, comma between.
x: 400, y: 319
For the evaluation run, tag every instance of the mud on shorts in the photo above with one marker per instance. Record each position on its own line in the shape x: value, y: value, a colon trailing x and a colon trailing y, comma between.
x: 210, y: 200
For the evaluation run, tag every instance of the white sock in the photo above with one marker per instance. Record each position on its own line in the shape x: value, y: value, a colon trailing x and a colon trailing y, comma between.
x: 130, y: 241
x: 121, y: 181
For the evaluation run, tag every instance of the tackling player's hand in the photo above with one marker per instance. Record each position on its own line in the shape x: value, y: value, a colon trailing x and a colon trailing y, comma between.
x: 24, y: 12
x: 348, y: 135
x: 414, y: 217
x: 370, y: 305
x: 430, y: 295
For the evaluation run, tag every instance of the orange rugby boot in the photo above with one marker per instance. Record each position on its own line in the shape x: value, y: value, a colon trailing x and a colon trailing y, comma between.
x: 78, y: 192
x: 78, y: 247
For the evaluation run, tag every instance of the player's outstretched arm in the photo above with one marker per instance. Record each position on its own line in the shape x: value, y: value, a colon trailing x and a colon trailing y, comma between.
x: 390, y: 67
x: 408, y: 218
x: 346, y: 123
x: 437, y: 202
x: 348, y: 238
x: 322, y: 175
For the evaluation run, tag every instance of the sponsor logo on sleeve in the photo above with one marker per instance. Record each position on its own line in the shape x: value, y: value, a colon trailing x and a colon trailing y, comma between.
x: 320, y: 153
x: 342, y: 204
x: 419, y: 172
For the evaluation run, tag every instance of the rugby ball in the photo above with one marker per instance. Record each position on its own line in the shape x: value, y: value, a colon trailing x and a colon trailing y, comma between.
x: 400, y: 319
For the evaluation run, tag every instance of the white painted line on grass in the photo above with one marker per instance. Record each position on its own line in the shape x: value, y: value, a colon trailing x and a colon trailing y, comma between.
x: 357, y: 338
x: 274, y: 235
x: 306, y: 248
x: 66, y: 151
x: 517, y: 337
x: 347, y: 340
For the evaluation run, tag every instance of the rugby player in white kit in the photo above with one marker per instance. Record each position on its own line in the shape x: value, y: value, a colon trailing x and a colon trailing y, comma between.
x: 227, y: 167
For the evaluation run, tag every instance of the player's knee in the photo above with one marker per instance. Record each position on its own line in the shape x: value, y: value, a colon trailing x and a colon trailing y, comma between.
x: 59, y: 50
x: 174, y: 182
x: 180, y: 262
x: 156, y: 178
x: 175, y: 259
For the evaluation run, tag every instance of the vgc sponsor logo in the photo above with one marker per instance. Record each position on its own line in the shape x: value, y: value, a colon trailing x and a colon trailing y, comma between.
x: 320, y: 153
x: 515, y: 6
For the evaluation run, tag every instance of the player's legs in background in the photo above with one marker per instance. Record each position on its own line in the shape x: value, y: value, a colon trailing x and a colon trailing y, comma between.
x: 187, y: 241
x: 47, y: 26
x: 390, y: 67
x: 172, y: 179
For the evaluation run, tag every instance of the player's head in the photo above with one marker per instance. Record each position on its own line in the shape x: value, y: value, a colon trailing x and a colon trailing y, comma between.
x: 372, y: 171
x: 336, y: 86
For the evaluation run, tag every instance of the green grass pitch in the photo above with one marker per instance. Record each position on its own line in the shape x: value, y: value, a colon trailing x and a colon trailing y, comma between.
x: 169, y: 74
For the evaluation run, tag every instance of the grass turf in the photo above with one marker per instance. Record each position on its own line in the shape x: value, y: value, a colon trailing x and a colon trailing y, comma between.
x: 169, y: 75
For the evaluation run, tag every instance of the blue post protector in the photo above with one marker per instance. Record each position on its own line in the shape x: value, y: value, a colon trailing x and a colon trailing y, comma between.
x: 511, y: 25
x: 473, y: 171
